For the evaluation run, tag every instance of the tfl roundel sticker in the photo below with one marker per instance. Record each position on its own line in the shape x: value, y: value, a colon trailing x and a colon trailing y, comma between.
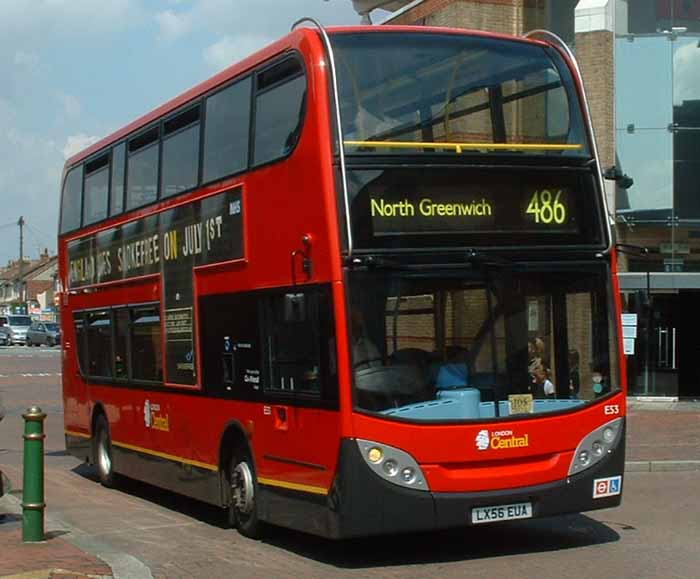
x: 607, y: 487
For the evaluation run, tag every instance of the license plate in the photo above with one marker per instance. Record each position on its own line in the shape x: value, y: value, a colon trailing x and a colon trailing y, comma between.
x: 501, y: 513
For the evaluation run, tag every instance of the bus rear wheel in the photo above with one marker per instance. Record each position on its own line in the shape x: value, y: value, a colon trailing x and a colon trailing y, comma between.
x: 243, y: 509
x: 102, y: 452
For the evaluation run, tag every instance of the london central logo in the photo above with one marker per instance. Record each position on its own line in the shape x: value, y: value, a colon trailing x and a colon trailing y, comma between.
x: 483, y: 439
x: 499, y: 440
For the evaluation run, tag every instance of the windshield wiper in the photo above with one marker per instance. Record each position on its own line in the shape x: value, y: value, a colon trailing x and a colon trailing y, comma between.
x: 482, y: 258
x: 457, y: 261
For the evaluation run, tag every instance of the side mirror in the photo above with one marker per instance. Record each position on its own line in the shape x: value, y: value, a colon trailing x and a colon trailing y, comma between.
x: 623, y: 180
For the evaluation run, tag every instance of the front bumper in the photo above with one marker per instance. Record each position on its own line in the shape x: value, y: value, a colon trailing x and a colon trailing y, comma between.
x: 362, y: 503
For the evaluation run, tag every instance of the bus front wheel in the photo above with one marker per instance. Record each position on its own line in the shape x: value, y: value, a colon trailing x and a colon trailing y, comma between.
x: 243, y: 510
x: 103, y: 452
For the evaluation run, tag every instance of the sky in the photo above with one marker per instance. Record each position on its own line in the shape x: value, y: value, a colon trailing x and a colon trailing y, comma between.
x: 73, y: 71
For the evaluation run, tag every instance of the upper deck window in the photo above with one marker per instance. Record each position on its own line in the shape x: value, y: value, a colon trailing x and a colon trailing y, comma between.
x: 400, y: 92
x: 142, y: 169
x: 279, y: 110
x: 180, y: 152
x: 226, y: 131
x: 96, y: 189
x: 117, y: 186
x: 72, y: 199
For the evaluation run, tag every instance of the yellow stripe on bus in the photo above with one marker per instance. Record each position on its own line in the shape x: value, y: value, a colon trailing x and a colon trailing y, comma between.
x: 292, y: 486
x: 459, y: 147
x: 166, y: 456
x: 261, y: 480
x: 76, y: 433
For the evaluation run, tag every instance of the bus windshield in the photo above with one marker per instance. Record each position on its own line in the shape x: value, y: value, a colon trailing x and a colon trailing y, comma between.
x: 492, y: 340
x: 400, y: 92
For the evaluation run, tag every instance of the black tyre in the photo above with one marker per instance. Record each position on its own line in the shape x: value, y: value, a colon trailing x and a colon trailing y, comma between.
x: 29, y: 343
x: 102, y: 452
x: 50, y: 342
x: 243, y: 508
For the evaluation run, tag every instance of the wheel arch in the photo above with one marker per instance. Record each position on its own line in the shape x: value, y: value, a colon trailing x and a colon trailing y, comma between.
x: 234, y: 436
x: 98, y: 410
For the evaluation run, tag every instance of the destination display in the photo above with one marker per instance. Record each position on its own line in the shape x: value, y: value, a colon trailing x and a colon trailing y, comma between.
x: 171, y: 243
x: 443, y: 207
x: 465, y: 208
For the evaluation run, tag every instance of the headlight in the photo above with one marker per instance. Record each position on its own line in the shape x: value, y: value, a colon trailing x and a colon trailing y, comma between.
x: 596, y: 445
x: 375, y: 454
x: 393, y: 465
x: 408, y: 475
x: 390, y: 467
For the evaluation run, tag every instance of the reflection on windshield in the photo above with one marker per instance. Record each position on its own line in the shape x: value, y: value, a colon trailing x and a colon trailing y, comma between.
x: 400, y: 90
x: 480, y: 344
x: 20, y: 321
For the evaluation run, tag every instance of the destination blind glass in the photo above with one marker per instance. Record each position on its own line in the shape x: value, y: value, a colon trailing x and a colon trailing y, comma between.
x: 402, y: 208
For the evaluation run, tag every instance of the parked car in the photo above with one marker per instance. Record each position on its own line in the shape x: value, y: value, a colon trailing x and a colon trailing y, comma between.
x: 47, y: 333
x: 4, y: 336
x: 18, y: 326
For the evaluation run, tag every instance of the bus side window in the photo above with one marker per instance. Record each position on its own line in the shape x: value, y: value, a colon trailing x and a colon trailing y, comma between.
x: 146, y: 359
x: 280, y: 103
x: 301, y: 344
x: 229, y: 335
x: 71, y: 202
x: 99, y: 347
x: 293, y: 342
x: 81, y: 340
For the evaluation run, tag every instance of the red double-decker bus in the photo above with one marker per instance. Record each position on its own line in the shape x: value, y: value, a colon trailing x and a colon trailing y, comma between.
x: 361, y: 282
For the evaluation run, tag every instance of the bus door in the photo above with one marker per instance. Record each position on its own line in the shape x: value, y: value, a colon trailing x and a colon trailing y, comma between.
x: 300, y: 426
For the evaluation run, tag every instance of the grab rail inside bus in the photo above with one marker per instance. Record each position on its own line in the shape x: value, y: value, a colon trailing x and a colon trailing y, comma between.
x: 339, y: 124
x: 459, y: 147
x: 546, y: 35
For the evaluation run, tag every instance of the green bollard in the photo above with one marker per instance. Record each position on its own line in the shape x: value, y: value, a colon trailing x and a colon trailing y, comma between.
x: 33, y: 504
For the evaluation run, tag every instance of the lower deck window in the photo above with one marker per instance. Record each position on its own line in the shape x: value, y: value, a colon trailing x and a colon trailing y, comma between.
x: 146, y: 345
x: 99, y: 334
x: 120, y: 343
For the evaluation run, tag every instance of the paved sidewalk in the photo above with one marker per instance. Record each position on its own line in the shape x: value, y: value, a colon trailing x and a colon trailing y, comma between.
x: 663, y: 436
x: 54, y: 558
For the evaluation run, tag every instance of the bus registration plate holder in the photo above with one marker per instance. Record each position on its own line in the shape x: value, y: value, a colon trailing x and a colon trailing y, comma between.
x: 501, y: 513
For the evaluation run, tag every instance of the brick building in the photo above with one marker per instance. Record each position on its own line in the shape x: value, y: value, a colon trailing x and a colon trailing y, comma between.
x: 34, y: 282
x: 640, y: 60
